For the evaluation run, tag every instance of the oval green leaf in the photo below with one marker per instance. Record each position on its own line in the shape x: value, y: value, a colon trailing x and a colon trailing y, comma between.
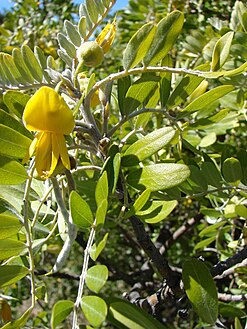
x: 12, y: 143
x: 206, y: 99
x: 96, y: 277
x: 60, y: 312
x: 32, y: 63
x: 80, y: 211
x: 165, y: 36
x: 10, y: 247
x: 201, y: 290
x: 140, y: 91
x: 98, y: 247
x: 10, y: 274
x: 15, y: 101
x: 158, y: 176
x: 148, y: 145
x: 138, y: 46
x: 11, y: 172
x: 221, y: 51
x: 101, y: 191
x: 94, y: 309
x: 9, y: 225
x: 156, y: 211
x: 231, y: 170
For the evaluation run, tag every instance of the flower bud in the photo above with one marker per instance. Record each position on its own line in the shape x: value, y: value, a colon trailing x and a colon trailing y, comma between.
x: 90, y: 54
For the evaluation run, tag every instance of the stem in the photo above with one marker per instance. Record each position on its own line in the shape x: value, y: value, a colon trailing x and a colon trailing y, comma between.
x: 83, y: 276
x: 29, y: 237
x: 64, y: 253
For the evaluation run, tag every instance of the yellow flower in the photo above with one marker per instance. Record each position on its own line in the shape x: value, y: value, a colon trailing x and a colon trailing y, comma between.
x: 106, y: 36
x: 47, y: 112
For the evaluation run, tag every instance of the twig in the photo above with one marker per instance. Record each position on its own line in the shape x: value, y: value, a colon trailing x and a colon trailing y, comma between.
x: 220, y: 267
x: 232, y: 298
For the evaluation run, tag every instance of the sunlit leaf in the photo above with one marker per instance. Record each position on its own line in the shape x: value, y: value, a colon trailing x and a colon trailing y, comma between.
x: 96, y: 277
x: 148, y: 145
x: 11, y: 172
x: 201, y: 290
x: 94, y: 309
x: 10, y: 247
x: 165, y: 36
x: 10, y: 274
x: 221, y: 51
x: 158, y: 176
x: 138, y: 46
x: 80, y: 211
x: 9, y: 225
x: 60, y: 311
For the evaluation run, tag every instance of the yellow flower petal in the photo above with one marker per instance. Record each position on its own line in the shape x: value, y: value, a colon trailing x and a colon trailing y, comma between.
x: 46, y: 110
x: 59, y: 150
x: 32, y: 148
x: 106, y: 37
x: 43, y: 157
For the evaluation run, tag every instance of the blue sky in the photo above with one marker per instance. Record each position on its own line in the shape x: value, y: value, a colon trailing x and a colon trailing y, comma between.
x: 7, y: 4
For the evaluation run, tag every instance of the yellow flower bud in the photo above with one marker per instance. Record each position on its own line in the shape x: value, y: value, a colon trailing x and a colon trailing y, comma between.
x: 106, y: 37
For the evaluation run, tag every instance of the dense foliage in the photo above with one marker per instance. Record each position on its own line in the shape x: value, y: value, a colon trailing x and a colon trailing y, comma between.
x: 123, y: 168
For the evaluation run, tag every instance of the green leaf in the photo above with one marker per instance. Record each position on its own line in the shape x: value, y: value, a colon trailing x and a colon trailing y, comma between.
x: 11, y: 172
x: 242, y: 157
x: 9, y: 225
x: 148, y: 145
x: 211, y: 229
x: 140, y: 91
x: 101, y: 191
x: 10, y: 274
x: 123, y: 85
x: 156, y: 211
x: 8, y: 62
x: 80, y: 211
x: 8, y: 120
x: 141, y: 201
x: 94, y: 309
x: 211, y: 174
x: 82, y: 26
x: 12, y: 143
x: 9, y: 78
x: 32, y: 63
x: 96, y: 277
x: 138, y: 46
x: 21, y: 66
x: 92, y: 10
x: 60, y: 311
x: 98, y: 247
x: 201, y: 290
x: 221, y: 51
x: 165, y: 36
x: 10, y: 247
x: 101, y: 213
x: 230, y: 73
x: 204, y: 243
x: 66, y: 45
x: 165, y: 82
x: 186, y: 87
x: 158, y: 176
x: 15, y: 101
x: 231, y: 170
x: 19, y: 323
x: 206, y: 99
x: 72, y: 33
x: 122, y: 314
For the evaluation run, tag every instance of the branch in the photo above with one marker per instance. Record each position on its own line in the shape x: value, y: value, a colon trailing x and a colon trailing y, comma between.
x: 232, y: 298
x: 220, y: 267
x: 172, y: 278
